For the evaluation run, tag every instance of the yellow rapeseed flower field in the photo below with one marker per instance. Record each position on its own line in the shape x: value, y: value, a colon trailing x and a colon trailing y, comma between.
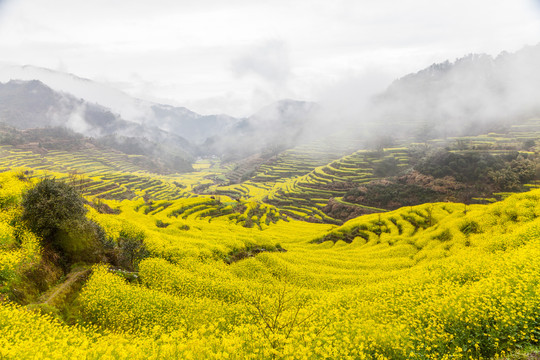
x: 434, y: 281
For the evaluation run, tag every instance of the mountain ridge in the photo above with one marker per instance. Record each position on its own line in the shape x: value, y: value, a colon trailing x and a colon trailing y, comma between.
x: 474, y: 93
x: 195, y: 134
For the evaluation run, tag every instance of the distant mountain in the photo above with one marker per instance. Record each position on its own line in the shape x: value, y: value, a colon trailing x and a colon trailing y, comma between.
x: 186, y: 123
x: 474, y: 93
x: 32, y: 104
x: 96, y: 110
x: 43, y: 140
x: 176, y: 120
x: 276, y: 127
x: 225, y: 132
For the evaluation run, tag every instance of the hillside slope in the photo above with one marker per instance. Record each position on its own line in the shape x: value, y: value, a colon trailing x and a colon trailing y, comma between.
x: 476, y: 93
x: 437, y: 281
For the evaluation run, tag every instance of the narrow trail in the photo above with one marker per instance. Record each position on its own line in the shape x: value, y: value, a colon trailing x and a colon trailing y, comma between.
x: 61, y: 290
x: 341, y: 201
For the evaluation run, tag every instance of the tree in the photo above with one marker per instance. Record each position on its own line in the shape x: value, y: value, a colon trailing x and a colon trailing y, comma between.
x: 133, y: 250
x: 280, y: 312
x: 55, y: 211
x: 49, y: 206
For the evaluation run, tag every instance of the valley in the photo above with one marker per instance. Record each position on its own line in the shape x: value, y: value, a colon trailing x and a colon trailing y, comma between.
x: 183, y: 236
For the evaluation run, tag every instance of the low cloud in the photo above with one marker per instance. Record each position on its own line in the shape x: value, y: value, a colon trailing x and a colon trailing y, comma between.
x: 348, y: 98
x: 268, y: 61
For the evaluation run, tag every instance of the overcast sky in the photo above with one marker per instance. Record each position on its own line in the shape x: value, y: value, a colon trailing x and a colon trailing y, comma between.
x: 216, y: 56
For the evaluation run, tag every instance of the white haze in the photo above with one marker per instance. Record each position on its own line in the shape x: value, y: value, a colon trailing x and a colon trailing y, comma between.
x: 476, y: 93
x: 119, y: 102
x: 77, y: 123
x: 237, y: 56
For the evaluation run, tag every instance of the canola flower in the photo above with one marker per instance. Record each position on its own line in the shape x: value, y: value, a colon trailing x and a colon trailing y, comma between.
x: 19, y: 248
x: 435, y: 281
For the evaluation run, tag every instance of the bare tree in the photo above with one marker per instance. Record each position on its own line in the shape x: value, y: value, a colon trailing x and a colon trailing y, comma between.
x: 279, y: 312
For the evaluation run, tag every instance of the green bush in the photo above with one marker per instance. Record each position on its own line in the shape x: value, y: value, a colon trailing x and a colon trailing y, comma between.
x: 470, y: 227
x: 49, y: 206
x: 54, y: 211
x: 445, y: 235
x: 132, y: 250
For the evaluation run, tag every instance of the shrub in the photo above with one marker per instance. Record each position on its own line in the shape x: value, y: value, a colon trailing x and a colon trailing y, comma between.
x: 54, y: 211
x: 49, y: 206
x: 470, y: 227
x: 161, y: 224
x: 132, y: 250
x: 445, y: 235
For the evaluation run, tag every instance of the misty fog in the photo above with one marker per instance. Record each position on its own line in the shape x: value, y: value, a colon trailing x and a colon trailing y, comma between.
x: 473, y: 94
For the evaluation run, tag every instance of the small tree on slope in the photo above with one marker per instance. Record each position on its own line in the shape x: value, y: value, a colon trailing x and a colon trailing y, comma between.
x: 55, y: 211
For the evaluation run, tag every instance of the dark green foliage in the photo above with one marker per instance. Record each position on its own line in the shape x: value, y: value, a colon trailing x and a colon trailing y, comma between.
x: 524, y: 168
x: 446, y: 176
x: 507, y: 171
x: 80, y: 241
x: 470, y: 227
x: 387, y: 167
x: 391, y: 195
x: 467, y: 167
x: 132, y: 250
x: 161, y: 224
x: 251, y: 250
x: 127, y: 251
x: 179, y: 185
x: 54, y: 211
x: 505, y: 179
x: 348, y: 235
x: 518, y: 171
x: 103, y: 208
x: 49, y: 206
x: 417, y: 220
x: 445, y: 235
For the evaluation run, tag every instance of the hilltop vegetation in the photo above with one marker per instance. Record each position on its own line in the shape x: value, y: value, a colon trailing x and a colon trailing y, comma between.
x: 443, y: 175
x: 472, y: 95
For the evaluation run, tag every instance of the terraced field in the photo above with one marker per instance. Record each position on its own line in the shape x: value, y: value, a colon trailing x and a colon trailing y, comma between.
x: 107, y: 175
x: 306, y: 195
x: 299, y: 182
x: 303, y: 193
x: 512, y: 138
x: 434, y: 281
x: 304, y: 159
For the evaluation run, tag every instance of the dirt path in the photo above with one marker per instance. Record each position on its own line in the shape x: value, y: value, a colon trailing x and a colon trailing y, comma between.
x: 341, y: 201
x: 61, y: 290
